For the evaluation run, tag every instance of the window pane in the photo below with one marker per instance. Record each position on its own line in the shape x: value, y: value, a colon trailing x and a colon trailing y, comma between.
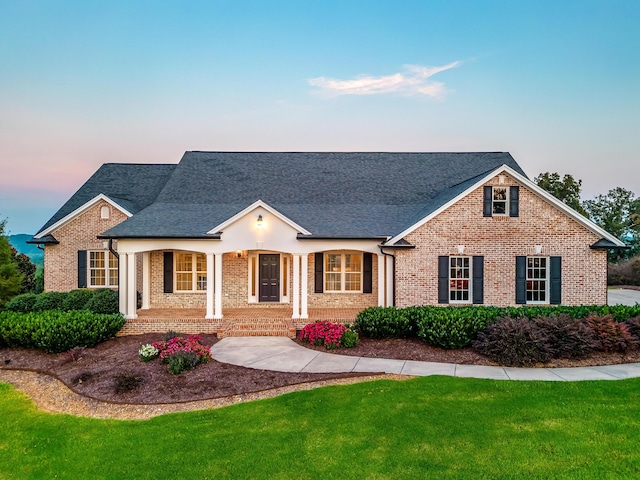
x: 96, y: 259
x: 184, y: 281
x: 113, y: 261
x: 537, y: 279
x: 98, y: 278
x: 113, y: 277
x: 334, y: 261
x: 201, y: 262
x: 352, y: 282
x: 459, y: 279
x: 333, y: 281
x: 183, y: 262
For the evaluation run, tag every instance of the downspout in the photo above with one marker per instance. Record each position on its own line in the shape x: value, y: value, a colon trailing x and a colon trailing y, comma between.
x: 115, y: 254
x: 393, y: 268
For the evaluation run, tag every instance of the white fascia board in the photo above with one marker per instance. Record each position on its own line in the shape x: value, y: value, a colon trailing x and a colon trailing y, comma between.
x: 80, y: 210
x: 252, y: 207
x: 527, y: 183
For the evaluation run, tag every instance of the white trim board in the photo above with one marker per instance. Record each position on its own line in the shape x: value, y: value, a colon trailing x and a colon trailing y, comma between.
x: 67, y: 218
x: 259, y: 203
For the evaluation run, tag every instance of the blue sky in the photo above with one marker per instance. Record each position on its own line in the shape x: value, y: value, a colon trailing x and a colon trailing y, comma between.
x: 556, y: 83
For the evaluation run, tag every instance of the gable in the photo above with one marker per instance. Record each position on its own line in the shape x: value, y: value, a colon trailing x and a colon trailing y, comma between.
x: 510, y: 177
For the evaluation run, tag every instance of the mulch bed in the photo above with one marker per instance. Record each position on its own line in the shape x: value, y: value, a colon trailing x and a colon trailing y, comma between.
x: 112, y: 371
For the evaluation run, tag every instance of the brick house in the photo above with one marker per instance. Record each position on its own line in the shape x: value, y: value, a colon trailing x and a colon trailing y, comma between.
x: 305, y: 232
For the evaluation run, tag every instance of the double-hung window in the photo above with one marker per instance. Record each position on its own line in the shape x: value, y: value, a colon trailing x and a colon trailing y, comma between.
x: 343, y: 272
x: 191, y: 272
x: 460, y: 280
x: 537, y: 280
x: 501, y: 201
x: 103, y: 269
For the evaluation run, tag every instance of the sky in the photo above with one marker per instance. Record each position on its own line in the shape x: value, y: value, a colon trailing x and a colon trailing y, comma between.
x: 555, y: 83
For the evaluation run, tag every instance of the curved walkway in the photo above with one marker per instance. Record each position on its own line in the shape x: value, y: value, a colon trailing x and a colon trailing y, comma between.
x: 284, y: 355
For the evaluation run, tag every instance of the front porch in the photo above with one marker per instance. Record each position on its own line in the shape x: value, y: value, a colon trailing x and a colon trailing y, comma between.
x: 237, y: 322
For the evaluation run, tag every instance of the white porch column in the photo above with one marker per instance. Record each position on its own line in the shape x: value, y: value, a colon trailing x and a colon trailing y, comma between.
x: 304, y: 271
x: 146, y: 276
x: 210, y: 283
x: 132, y: 298
x: 122, y: 283
x: 218, y: 286
x: 390, y: 281
x: 380, y: 280
x: 296, y: 286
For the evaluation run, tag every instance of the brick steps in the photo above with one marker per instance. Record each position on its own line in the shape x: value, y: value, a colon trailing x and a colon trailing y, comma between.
x: 257, y: 328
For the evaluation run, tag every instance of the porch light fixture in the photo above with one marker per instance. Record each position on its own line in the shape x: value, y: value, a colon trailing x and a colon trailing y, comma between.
x: 460, y: 249
x: 538, y: 249
x: 260, y: 222
x: 239, y: 253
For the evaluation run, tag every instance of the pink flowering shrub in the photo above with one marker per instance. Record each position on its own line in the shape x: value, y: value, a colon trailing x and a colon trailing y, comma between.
x: 331, y: 335
x: 176, y: 345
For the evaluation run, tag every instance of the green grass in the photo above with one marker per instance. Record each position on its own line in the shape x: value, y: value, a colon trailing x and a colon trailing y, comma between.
x: 434, y: 427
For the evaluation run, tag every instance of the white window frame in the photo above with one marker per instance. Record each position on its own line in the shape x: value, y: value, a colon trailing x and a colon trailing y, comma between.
x: 194, y: 273
x: 469, y: 279
x: 506, y: 201
x: 343, y: 272
x: 105, y: 212
x: 545, y: 279
x: 107, y: 269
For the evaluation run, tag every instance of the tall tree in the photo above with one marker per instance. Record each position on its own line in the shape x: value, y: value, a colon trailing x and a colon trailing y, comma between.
x: 27, y: 269
x: 10, y: 277
x: 567, y: 189
x: 618, y: 212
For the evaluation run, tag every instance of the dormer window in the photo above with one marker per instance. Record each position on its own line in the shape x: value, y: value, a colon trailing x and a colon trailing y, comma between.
x: 105, y: 212
x: 501, y: 201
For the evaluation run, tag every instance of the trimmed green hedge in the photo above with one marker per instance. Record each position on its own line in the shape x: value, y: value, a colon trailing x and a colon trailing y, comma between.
x: 103, y: 301
x: 55, y: 331
x: 458, y: 326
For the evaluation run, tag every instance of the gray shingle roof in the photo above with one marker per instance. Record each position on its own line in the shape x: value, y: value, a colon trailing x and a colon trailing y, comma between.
x: 132, y: 186
x: 329, y: 194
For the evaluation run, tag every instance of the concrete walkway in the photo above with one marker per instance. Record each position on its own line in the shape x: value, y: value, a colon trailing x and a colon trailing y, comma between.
x: 284, y: 355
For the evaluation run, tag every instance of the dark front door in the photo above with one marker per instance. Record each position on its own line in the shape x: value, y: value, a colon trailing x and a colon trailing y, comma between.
x: 270, y: 278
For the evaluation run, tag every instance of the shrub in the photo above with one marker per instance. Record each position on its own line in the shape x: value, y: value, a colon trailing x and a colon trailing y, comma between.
x: 148, y: 352
x: 77, y: 299
x: 103, y: 301
x: 453, y: 327
x: 383, y: 322
x: 323, y: 333
x: 626, y: 272
x: 633, y: 327
x: 49, y: 301
x: 567, y: 337
x: 22, y: 303
x: 349, y: 339
x: 611, y: 336
x: 56, y: 331
x: 181, y: 361
x: 514, y: 343
x: 126, y: 382
x: 171, y: 334
x: 180, y: 347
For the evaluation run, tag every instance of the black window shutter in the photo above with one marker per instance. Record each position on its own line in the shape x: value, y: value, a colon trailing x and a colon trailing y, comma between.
x: 514, y: 201
x: 318, y: 272
x: 367, y: 272
x: 443, y: 279
x: 478, y: 279
x: 488, y: 200
x: 82, y: 269
x: 555, y: 288
x: 521, y: 280
x: 168, y: 272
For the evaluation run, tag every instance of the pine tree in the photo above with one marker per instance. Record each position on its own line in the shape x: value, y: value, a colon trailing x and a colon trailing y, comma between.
x: 10, y: 277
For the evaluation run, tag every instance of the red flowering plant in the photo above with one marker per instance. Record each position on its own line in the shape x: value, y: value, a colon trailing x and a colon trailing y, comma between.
x: 190, y: 344
x: 329, y: 334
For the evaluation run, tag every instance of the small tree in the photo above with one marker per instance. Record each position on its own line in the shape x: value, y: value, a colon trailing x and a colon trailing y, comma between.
x: 27, y: 269
x: 618, y: 212
x: 10, y: 277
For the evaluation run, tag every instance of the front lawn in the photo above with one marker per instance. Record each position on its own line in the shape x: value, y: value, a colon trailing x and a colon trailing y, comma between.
x: 433, y: 427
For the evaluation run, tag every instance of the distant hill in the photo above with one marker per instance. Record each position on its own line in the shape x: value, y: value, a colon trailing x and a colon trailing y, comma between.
x: 32, y: 251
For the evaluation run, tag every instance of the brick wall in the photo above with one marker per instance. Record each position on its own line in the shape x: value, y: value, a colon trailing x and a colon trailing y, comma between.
x: 500, y: 240
x: 61, y: 261
x: 345, y: 300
